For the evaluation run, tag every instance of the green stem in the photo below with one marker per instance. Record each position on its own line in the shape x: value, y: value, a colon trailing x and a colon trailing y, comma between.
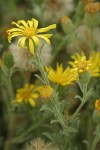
x: 10, y: 114
x: 78, y: 109
x: 41, y: 68
x: 96, y: 139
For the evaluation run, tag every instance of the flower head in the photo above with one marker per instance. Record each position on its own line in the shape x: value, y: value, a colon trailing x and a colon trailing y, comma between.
x: 45, y: 91
x: 81, y: 64
x: 97, y: 104
x: 39, y: 144
x: 27, y: 94
x: 92, y: 8
x: 60, y: 76
x: 29, y: 33
x: 95, y: 61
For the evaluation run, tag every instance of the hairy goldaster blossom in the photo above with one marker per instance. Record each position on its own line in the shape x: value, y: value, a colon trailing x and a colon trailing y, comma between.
x: 81, y: 64
x: 29, y: 33
x: 97, y: 104
x: 39, y: 144
x: 45, y: 91
x: 61, y: 76
x: 28, y: 94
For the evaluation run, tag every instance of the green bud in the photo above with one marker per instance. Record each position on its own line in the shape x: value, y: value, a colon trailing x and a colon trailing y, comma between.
x: 67, y: 25
x: 8, y: 59
x: 96, y: 116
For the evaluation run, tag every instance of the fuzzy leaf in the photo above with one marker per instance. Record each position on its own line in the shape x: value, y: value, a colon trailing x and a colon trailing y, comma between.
x: 79, y: 97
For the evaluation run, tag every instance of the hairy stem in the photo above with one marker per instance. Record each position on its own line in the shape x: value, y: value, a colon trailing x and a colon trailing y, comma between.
x: 96, y: 139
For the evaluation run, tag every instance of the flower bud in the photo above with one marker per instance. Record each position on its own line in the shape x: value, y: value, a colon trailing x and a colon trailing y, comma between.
x: 92, y: 14
x: 96, y: 116
x: 8, y: 59
x: 67, y: 25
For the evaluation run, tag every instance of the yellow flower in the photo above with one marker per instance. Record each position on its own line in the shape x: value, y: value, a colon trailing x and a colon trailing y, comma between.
x: 60, y: 76
x: 97, y: 105
x: 45, y: 91
x: 27, y: 94
x: 95, y: 61
x: 92, y: 8
x: 81, y: 64
x: 29, y: 33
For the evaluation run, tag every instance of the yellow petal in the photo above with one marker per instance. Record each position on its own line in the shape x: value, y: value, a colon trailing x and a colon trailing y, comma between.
x: 31, y: 46
x: 45, y: 38
x: 23, y: 23
x: 35, y: 96
x: 35, y: 39
x: 21, y: 41
x: 32, y: 103
x: 30, y: 23
x: 22, y: 27
x: 46, y: 29
x: 14, y: 29
x: 10, y: 36
x: 35, y: 23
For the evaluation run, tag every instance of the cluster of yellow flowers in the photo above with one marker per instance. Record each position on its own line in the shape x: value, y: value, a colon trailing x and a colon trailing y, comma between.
x: 29, y: 36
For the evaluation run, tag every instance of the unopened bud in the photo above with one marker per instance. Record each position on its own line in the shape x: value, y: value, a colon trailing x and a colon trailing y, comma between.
x: 96, y: 116
x: 8, y: 59
x: 67, y: 24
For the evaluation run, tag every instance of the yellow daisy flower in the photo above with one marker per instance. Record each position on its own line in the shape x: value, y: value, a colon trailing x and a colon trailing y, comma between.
x: 95, y: 61
x: 29, y: 33
x: 27, y: 94
x: 81, y: 64
x: 61, y: 76
x: 45, y: 91
x: 97, y: 105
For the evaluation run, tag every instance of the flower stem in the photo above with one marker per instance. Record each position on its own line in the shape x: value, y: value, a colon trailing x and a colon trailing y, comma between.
x: 78, y: 109
x: 8, y: 83
x: 41, y: 68
x: 96, y: 139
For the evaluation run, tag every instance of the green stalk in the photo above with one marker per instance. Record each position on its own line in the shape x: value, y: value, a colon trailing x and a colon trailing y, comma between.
x: 10, y: 114
x: 96, y: 139
x: 78, y: 110
x: 41, y: 68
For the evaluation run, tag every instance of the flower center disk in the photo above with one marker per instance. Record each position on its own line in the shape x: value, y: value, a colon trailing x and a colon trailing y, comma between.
x: 29, y: 32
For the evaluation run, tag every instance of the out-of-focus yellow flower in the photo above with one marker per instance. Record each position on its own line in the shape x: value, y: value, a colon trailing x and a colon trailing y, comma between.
x: 95, y: 61
x: 81, y: 64
x: 45, y: 91
x: 61, y: 76
x: 27, y: 94
x: 92, y: 8
x: 97, y: 104
x: 29, y: 33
